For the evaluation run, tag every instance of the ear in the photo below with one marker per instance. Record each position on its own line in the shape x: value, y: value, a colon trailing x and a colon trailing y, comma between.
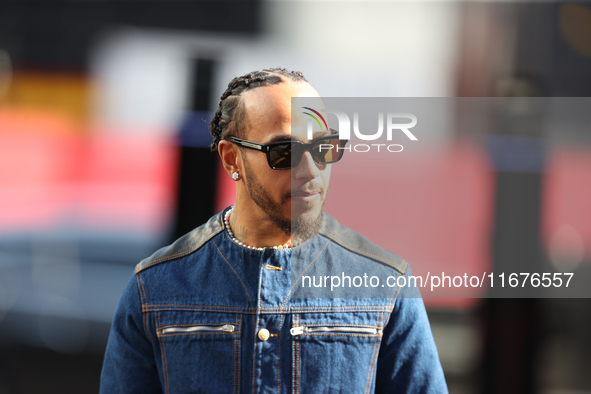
x: 231, y: 158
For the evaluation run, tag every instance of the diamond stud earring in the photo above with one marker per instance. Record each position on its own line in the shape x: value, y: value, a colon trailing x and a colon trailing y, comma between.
x: 235, y: 175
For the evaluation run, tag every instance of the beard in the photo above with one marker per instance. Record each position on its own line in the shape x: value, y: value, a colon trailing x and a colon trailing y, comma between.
x: 299, y: 228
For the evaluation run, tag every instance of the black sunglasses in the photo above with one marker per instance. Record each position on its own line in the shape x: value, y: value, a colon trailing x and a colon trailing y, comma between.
x: 288, y: 154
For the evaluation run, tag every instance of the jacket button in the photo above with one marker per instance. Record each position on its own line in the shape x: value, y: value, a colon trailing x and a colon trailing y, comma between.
x: 264, y: 334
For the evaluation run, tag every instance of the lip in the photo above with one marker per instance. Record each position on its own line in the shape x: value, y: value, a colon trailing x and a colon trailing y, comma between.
x: 305, y: 197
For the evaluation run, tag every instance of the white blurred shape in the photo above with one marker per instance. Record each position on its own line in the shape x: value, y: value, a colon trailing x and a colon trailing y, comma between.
x: 566, y: 249
x: 141, y: 81
x: 372, y: 49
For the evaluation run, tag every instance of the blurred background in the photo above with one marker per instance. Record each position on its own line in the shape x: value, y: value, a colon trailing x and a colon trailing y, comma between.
x: 104, y: 158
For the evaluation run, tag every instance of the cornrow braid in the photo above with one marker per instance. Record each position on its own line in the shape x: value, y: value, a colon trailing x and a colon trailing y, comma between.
x: 229, y: 115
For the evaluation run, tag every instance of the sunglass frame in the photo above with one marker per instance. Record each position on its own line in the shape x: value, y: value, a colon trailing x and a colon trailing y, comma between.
x: 266, y: 148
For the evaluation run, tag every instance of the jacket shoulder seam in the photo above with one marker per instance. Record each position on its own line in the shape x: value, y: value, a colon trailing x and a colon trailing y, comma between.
x: 213, y: 225
x: 398, y: 267
x: 143, y: 266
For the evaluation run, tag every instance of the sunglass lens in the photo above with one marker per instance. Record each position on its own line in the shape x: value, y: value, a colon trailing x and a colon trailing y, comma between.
x: 288, y: 155
x: 280, y: 156
x: 327, y: 151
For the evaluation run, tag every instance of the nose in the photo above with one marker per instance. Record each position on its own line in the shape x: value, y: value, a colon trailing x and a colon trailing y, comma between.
x: 307, y: 168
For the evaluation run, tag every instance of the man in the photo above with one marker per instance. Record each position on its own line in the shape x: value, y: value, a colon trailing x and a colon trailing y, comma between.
x: 223, y: 309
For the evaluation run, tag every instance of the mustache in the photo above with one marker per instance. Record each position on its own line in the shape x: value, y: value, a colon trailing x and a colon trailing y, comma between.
x: 306, y: 188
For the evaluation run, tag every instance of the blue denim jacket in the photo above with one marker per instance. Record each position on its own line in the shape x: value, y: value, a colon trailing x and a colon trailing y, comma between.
x: 205, y: 315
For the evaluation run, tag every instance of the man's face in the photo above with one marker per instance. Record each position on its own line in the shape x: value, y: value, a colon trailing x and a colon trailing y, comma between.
x: 293, y: 199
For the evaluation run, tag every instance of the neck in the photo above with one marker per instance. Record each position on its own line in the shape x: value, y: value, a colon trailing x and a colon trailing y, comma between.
x: 252, y: 227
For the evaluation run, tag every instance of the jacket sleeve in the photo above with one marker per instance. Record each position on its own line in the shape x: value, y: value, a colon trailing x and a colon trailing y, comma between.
x: 129, y: 365
x: 408, y: 361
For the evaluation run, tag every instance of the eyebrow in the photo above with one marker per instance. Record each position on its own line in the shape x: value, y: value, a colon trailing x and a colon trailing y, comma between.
x: 318, y: 134
x: 288, y: 137
x: 280, y: 138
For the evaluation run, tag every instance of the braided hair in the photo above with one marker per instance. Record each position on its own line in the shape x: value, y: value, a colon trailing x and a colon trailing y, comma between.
x: 228, y: 118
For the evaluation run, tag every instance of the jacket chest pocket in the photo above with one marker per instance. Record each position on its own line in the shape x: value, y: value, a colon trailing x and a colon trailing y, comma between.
x: 336, y: 352
x: 200, y: 353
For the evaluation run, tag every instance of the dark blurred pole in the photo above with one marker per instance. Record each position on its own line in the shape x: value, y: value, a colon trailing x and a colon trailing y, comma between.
x: 512, y: 326
x: 198, y: 165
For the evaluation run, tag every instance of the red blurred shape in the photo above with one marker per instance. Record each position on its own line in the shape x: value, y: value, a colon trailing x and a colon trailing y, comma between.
x: 434, y: 209
x: 51, y: 174
x: 566, y: 198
